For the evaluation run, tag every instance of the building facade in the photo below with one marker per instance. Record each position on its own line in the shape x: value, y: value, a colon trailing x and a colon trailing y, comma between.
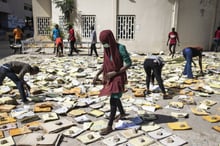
x: 142, y: 25
x: 13, y: 13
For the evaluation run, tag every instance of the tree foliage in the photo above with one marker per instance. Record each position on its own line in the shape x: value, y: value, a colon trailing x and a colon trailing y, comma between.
x: 68, y: 8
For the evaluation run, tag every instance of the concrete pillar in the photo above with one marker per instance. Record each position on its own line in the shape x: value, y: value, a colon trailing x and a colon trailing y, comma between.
x: 114, y: 16
x: 214, y: 20
x: 174, y: 19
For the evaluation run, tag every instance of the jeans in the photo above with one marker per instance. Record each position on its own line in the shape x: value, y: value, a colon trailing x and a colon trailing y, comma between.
x: 187, y: 53
x: 11, y: 75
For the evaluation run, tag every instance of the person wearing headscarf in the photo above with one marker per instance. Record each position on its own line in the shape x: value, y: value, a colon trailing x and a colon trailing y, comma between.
x: 114, y: 75
x: 153, y: 67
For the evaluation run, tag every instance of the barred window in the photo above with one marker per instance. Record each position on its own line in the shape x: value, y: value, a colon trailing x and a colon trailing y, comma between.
x: 87, y: 22
x: 62, y: 23
x: 125, y: 27
x: 43, y: 25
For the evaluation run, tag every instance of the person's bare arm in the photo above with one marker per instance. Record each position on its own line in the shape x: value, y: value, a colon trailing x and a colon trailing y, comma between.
x: 97, y: 75
x: 114, y: 73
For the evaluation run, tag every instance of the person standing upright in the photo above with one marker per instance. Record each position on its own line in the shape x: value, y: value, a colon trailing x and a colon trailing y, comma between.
x: 55, y: 34
x: 216, y: 40
x: 116, y: 62
x: 72, y: 41
x: 93, y: 42
x: 173, y: 38
x: 18, y: 34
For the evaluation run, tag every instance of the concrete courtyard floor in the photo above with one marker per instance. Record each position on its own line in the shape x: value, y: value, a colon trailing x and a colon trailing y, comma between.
x: 200, y: 134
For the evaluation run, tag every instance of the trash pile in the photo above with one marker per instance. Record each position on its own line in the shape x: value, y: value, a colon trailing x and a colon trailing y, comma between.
x: 65, y: 108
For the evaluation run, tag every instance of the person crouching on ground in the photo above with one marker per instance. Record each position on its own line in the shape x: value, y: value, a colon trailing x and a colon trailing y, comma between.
x: 188, y: 54
x: 12, y: 68
x: 153, y: 67
x: 59, y: 47
x: 114, y: 75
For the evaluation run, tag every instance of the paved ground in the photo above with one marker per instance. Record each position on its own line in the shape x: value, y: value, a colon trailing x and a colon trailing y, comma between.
x: 5, y: 50
x: 201, y: 133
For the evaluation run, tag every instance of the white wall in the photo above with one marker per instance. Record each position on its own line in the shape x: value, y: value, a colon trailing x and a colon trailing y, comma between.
x: 41, y: 8
x: 154, y: 20
x: 102, y: 9
x: 195, y: 25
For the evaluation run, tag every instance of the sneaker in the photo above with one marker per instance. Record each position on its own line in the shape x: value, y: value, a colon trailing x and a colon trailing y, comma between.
x: 106, y: 130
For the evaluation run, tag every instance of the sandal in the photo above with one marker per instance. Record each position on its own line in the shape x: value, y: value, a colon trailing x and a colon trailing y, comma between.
x: 106, y: 130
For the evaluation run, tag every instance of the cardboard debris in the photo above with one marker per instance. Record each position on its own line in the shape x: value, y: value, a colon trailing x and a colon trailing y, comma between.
x: 212, y: 118
x: 89, y: 137
x: 114, y: 140
x: 66, y: 85
x: 141, y: 141
x: 173, y: 140
x: 179, y: 126
x: 7, y: 141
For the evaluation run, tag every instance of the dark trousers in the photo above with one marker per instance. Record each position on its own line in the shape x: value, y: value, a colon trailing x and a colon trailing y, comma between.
x: 215, y: 45
x: 114, y: 104
x: 11, y: 75
x: 17, y: 42
x: 172, y: 49
x: 72, y: 48
x: 93, y: 48
x: 153, y: 69
x: 59, y: 49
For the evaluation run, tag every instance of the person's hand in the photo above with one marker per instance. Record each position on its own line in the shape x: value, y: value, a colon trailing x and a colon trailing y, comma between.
x: 111, y: 74
x: 95, y: 80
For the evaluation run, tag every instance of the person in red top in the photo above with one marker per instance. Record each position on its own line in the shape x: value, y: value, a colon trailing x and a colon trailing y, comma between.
x: 172, y: 40
x: 216, y: 40
x: 72, y: 41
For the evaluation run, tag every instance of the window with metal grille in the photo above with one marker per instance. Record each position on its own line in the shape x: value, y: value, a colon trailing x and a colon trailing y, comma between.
x: 125, y: 27
x: 62, y: 23
x: 43, y: 25
x: 87, y: 22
